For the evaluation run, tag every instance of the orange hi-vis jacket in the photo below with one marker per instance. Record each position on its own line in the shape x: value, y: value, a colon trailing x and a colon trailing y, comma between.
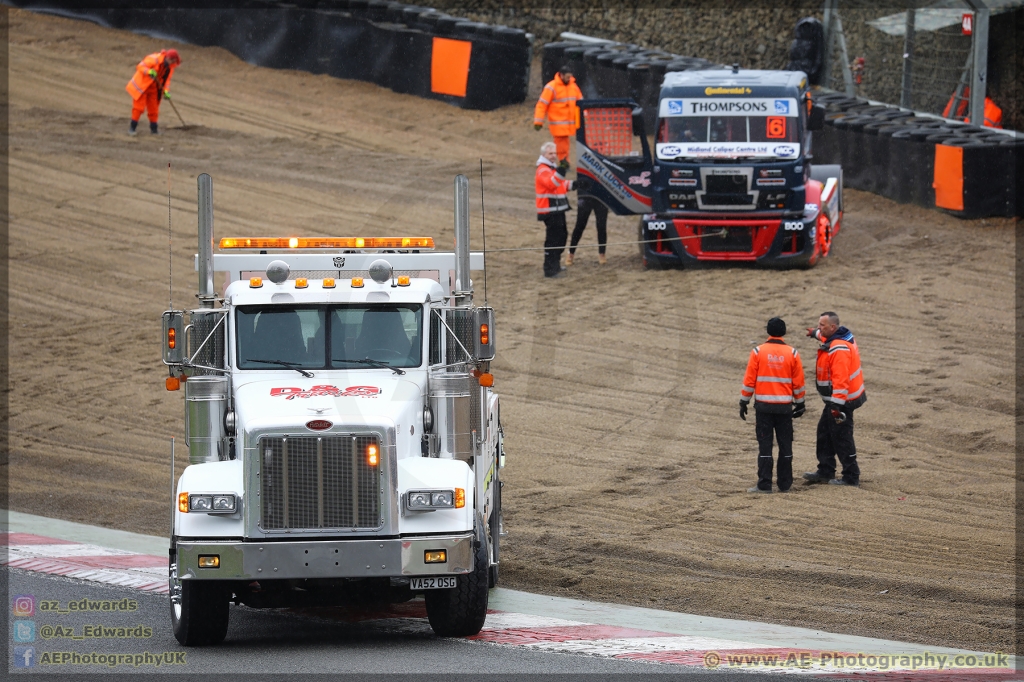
x: 838, y: 373
x: 558, y: 102
x: 141, y: 81
x: 551, y: 189
x: 774, y: 377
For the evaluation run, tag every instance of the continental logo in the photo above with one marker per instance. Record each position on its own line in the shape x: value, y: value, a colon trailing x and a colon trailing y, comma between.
x: 726, y: 91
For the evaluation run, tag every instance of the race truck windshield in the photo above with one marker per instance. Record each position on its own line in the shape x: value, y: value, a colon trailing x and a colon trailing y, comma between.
x: 329, y: 337
x: 699, y: 128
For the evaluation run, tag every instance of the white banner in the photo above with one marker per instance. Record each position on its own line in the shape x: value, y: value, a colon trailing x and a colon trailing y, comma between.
x: 787, y: 150
x: 747, y: 106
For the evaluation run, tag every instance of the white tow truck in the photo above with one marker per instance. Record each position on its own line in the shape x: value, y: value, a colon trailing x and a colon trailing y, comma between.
x: 344, y: 440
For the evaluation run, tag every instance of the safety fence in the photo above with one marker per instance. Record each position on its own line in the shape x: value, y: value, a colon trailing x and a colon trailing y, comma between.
x: 409, y: 49
x: 966, y: 170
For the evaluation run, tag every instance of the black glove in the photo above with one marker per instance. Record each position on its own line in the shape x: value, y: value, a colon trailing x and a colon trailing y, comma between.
x: 838, y: 415
x: 743, y: 411
x: 798, y: 410
x: 563, y: 167
x: 537, y: 126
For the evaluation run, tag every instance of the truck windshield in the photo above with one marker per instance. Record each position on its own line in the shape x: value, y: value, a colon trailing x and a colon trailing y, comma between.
x: 727, y: 129
x: 328, y: 337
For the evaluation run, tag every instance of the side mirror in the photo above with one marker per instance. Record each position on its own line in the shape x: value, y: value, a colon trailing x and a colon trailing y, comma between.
x: 174, y: 337
x: 484, y: 338
x: 638, y: 122
x: 816, y: 117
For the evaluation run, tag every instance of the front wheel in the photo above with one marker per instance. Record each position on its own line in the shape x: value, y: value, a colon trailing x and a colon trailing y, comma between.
x: 460, y: 611
x: 199, y: 612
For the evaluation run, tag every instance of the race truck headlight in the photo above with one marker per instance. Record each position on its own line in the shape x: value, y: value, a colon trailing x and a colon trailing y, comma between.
x: 429, y: 500
x: 213, y: 503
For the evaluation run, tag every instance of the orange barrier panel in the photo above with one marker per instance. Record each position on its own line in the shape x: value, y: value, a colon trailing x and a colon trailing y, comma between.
x: 949, y: 177
x: 449, y: 66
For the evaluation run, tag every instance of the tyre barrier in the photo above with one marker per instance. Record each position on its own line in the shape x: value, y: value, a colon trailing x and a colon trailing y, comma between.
x: 617, y: 71
x: 409, y: 49
x: 961, y: 169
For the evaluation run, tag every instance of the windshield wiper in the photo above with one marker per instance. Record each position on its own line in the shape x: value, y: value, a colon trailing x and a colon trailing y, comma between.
x: 375, y: 363
x: 289, y: 365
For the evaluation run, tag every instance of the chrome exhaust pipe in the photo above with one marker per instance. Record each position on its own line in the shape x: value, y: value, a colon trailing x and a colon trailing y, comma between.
x: 207, y: 295
x: 463, y: 286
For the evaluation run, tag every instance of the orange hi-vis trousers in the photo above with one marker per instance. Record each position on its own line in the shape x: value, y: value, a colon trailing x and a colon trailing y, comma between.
x: 561, y: 146
x: 149, y: 102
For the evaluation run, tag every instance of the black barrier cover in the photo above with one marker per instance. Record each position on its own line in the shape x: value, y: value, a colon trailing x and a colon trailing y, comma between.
x: 875, y: 155
x: 986, y: 182
x: 902, y: 168
x: 345, y: 44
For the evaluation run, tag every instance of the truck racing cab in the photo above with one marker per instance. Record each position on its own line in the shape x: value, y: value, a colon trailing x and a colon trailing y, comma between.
x: 344, y: 441
x: 730, y: 177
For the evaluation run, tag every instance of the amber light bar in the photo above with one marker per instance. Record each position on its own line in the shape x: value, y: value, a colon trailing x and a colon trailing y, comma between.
x: 327, y: 243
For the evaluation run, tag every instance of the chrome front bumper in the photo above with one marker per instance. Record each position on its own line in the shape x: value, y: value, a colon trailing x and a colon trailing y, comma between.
x: 324, y: 558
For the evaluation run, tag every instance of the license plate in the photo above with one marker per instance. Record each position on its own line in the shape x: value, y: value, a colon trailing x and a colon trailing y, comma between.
x: 435, y: 583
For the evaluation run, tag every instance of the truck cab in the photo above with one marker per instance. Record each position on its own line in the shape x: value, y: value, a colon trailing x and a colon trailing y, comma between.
x: 730, y: 175
x: 344, y: 440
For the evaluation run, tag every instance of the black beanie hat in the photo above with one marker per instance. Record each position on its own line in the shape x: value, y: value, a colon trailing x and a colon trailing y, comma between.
x: 776, y: 327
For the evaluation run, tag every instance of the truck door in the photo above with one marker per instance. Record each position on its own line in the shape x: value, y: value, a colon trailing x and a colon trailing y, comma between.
x: 611, y: 167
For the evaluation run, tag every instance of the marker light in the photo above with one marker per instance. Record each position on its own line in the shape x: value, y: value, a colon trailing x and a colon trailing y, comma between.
x: 485, y: 335
x: 301, y: 283
x: 183, y: 502
x: 172, y: 383
x: 357, y: 282
x: 171, y: 336
x: 487, y: 379
x: 328, y: 282
x: 403, y: 281
x: 460, y: 498
x: 371, y: 455
x: 209, y: 561
x: 435, y: 556
x: 327, y: 243
x: 255, y: 282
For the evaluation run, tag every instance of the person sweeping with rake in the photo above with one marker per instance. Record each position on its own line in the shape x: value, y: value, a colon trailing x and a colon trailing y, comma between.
x: 149, y: 85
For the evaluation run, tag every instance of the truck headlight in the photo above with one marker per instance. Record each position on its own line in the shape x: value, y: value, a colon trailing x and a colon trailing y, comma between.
x: 213, y: 503
x: 429, y: 500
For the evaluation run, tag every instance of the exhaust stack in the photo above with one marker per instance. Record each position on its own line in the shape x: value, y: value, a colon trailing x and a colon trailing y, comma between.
x: 463, y: 287
x: 207, y: 296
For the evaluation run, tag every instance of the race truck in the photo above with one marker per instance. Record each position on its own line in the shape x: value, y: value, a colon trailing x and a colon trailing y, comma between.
x: 344, y: 441
x: 731, y: 177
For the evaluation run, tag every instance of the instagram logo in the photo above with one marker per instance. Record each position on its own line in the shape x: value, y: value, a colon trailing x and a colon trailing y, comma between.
x: 24, y: 605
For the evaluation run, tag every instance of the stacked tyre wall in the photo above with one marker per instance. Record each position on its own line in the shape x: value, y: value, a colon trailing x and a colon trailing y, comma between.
x: 965, y: 170
x: 617, y: 70
x: 409, y: 49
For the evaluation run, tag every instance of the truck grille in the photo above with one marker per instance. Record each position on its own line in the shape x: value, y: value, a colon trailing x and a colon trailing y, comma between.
x: 313, y: 482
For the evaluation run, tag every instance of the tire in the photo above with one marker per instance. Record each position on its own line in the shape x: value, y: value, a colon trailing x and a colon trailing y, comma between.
x: 460, y: 612
x: 201, y: 617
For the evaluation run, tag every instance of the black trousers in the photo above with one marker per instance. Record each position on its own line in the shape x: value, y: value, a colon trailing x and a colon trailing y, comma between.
x: 554, y: 242
x: 836, y: 440
x: 780, y: 426
x: 585, y: 205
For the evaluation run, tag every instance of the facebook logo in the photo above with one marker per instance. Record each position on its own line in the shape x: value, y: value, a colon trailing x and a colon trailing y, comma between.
x: 24, y: 657
x: 781, y: 106
x: 675, y: 106
x: 24, y: 631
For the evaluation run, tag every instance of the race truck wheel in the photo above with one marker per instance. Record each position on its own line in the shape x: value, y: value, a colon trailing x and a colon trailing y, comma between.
x: 647, y: 264
x: 460, y: 611
x: 199, y: 612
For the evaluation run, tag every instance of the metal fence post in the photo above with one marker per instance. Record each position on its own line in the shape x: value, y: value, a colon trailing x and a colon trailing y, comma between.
x: 979, y: 75
x: 908, y: 58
